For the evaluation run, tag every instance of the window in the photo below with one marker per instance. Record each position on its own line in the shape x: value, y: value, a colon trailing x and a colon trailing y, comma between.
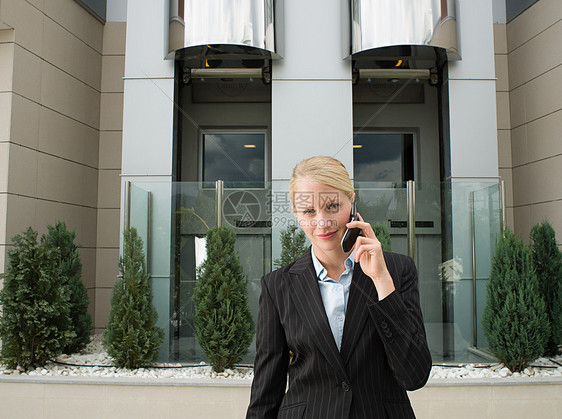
x: 383, y: 157
x: 237, y: 158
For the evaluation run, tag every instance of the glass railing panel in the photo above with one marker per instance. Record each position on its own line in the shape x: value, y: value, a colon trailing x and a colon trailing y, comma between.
x: 139, y: 210
x: 385, y: 203
x: 448, y: 215
x: 193, y: 209
x: 472, y: 211
x: 487, y: 222
x: 149, y: 210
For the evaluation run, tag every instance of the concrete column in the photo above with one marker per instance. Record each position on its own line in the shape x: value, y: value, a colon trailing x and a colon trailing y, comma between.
x: 311, y: 87
x: 148, y: 142
x: 473, y: 142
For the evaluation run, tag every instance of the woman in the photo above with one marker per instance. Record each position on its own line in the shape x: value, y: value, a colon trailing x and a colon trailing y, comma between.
x: 351, y: 321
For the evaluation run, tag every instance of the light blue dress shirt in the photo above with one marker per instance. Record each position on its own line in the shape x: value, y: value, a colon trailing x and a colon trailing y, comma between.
x: 334, y: 295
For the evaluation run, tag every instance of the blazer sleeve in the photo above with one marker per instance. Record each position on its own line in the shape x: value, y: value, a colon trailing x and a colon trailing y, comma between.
x: 399, y: 321
x: 271, y: 362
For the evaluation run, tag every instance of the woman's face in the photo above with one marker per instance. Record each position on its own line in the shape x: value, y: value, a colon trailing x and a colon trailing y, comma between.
x: 322, y: 212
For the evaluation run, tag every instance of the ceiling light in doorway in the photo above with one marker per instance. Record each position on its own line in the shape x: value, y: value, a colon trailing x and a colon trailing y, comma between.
x: 249, y: 146
x: 357, y: 145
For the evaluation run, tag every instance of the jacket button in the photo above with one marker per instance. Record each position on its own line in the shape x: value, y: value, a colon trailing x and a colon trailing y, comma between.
x: 384, y: 325
x: 345, y: 386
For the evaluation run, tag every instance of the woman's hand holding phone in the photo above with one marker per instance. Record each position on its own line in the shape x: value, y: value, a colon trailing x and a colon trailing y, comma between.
x: 368, y: 252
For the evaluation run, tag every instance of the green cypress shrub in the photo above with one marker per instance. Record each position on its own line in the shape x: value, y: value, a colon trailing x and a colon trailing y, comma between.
x: 515, y: 320
x: 132, y: 337
x: 293, y: 245
x: 62, y: 240
x: 383, y: 235
x: 223, y: 323
x: 34, y: 326
x: 548, y: 264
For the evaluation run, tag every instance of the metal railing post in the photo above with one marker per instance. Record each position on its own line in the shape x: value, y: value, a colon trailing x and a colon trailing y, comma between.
x: 219, y: 192
x: 411, y: 202
x: 473, y: 245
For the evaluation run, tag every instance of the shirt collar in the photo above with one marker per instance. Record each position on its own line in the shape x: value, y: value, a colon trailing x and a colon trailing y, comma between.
x: 321, y: 272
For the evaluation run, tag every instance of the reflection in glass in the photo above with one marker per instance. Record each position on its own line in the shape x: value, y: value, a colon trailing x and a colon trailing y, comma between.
x: 449, y: 214
x: 243, y: 162
x: 383, y: 157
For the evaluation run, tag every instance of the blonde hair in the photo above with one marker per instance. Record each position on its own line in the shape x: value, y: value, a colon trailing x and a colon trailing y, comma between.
x: 323, y: 169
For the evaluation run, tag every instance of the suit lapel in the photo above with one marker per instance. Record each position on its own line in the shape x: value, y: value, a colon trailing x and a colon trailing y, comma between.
x: 306, y: 296
x: 361, y: 293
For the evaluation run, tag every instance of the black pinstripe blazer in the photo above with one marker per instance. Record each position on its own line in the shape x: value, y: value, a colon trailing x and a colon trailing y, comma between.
x: 383, y: 353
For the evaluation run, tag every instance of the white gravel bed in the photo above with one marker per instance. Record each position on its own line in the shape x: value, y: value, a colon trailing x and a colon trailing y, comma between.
x: 93, y: 361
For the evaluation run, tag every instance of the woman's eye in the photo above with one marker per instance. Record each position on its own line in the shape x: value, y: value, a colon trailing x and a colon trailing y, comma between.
x: 308, y: 211
x: 333, y: 206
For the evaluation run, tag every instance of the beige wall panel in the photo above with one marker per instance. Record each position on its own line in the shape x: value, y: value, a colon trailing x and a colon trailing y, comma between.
x: 502, y: 110
x: 504, y: 149
x: 77, y: 21
x: 6, y: 35
x: 114, y: 34
x: 88, y: 258
x: 109, y: 188
x: 509, y: 409
x: 82, y: 220
x: 536, y: 98
x: 3, y: 260
x: 535, y: 57
x: 68, y: 138
x: 536, y: 19
x: 4, y: 170
x: 25, y: 122
x: 509, y: 219
x: 519, y: 146
x: 544, y: 136
x: 102, y: 304
x: 40, y: 4
x: 507, y: 176
x: 27, y: 22
x: 113, y: 68
x: 110, y: 149
x: 111, y: 111
x: 502, y: 75
x: 551, y: 211
x: 22, y: 172
x: 5, y: 115
x: 538, y: 182
x: 92, y: 306
x: 64, y: 181
x: 27, y: 74
x: 500, y: 38
x: 67, y: 52
x: 107, y: 267
x: 14, y: 399
x: 108, y: 228
x: 3, y: 210
x: 20, y: 213
x: 6, y: 66
x: 65, y: 94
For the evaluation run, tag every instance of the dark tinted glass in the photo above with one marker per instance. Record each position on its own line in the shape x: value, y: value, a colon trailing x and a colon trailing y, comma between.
x: 234, y: 158
x: 383, y: 157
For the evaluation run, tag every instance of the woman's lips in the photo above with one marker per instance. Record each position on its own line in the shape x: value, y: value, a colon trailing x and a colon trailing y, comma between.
x: 327, y: 235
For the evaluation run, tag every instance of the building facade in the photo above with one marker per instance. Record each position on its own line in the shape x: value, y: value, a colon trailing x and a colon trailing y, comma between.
x: 126, y: 113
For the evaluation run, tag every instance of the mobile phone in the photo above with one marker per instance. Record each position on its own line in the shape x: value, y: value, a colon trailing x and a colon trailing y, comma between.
x: 350, y: 235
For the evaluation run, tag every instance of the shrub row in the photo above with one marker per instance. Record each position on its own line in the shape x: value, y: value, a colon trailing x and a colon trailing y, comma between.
x: 44, y: 302
x: 523, y: 316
